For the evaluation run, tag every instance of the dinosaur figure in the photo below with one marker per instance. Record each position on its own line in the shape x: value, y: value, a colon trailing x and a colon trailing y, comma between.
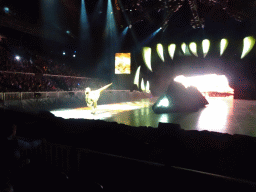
x: 92, y: 97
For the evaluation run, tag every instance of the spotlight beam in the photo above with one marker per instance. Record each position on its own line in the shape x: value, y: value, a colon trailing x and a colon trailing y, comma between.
x: 84, y: 23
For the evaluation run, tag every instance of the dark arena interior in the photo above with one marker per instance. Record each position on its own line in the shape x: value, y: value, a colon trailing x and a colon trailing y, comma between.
x: 127, y: 95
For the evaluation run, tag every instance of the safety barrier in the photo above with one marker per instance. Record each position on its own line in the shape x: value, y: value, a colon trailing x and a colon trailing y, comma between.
x: 14, y: 96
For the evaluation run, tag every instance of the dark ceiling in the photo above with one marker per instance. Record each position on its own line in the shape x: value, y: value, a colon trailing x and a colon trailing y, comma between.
x: 179, y: 19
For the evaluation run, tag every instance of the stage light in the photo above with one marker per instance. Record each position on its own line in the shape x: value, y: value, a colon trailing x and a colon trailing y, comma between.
x: 248, y: 45
x: 164, y: 102
x: 160, y: 51
x: 171, y: 49
x: 111, y: 31
x: 74, y: 55
x: 183, y: 47
x: 17, y: 58
x: 6, y: 9
x: 84, y: 24
x: 122, y: 36
x: 156, y: 32
x: 137, y: 75
x: 206, y: 46
x: 125, y: 31
x: 147, y: 57
x: 97, y: 11
x: 223, y: 45
x: 64, y: 53
x: 68, y: 32
x: 193, y: 48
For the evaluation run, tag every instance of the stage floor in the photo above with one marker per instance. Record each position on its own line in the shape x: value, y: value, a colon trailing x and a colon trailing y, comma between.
x: 222, y: 114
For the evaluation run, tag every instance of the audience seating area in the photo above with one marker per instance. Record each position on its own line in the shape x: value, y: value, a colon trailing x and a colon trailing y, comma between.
x: 85, y: 155
x: 31, y: 72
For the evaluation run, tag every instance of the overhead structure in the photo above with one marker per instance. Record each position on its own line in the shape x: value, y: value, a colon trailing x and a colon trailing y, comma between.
x: 171, y: 50
x: 223, y: 46
x: 137, y: 77
x: 247, y: 45
x: 146, y: 53
x: 193, y: 48
x: 206, y: 46
x: 160, y: 51
x: 196, y: 21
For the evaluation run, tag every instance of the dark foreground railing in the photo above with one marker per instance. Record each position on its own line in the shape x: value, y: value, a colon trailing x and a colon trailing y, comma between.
x: 118, y: 173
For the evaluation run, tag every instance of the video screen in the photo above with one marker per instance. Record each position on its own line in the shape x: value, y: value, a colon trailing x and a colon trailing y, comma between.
x: 123, y: 63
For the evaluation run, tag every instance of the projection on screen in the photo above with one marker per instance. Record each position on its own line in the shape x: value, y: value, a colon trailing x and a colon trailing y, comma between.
x: 123, y: 63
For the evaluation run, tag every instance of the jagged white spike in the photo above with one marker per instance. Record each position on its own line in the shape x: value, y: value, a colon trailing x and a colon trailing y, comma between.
x: 171, y: 49
x: 142, y: 85
x: 183, y: 47
x: 248, y: 45
x: 193, y: 48
x: 147, y: 57
x: 137, y: 77
x: 160, y: 51
x: 223, y: 45
x: 206, y: 46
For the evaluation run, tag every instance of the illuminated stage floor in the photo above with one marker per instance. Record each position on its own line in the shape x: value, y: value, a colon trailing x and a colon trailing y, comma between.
x: 224, y: 115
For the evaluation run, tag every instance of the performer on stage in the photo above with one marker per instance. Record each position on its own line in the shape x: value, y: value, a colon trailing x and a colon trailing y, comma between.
x: 92, y: 97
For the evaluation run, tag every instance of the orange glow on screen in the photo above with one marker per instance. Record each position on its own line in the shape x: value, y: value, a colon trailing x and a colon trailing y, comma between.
x: 123, y: 63
x: 207, y: 83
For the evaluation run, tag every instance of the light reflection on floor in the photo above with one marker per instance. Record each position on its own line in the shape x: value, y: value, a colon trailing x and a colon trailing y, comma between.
x: 102, y: 112
x: 223, y: 114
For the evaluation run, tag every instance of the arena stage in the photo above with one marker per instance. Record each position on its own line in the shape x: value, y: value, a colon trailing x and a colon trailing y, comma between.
x: 222, y: 114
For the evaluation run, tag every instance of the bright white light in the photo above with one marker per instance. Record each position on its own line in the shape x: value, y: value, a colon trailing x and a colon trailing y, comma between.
x: 102, y: 111
x: 74, y: 55
x: 215, y: 116
x: 64, y: 53
x: 164, y: 118
x: 163, y: 102
x: 78, y: 114
x: 207, y: 83
x: 17, y: 58
x: 182, y: 79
